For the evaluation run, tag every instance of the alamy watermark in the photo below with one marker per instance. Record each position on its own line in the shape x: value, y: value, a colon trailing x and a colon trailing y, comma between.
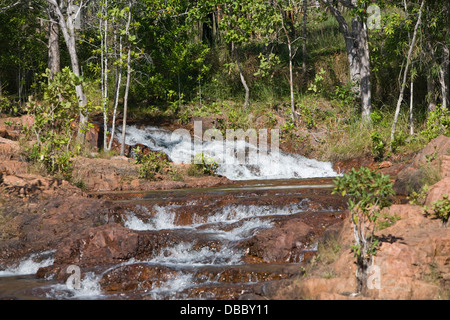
x: 374, y: 277
x: 236, y: 147
x: 374, y: 17
x: 74, y: 280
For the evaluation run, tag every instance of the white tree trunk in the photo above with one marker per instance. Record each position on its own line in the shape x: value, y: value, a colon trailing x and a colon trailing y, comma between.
x: 406, y: 72
x: 125, y: 104
x: 54, y: 57
x: 68, y: 30
x: 444, y: 77
x: 305, y: 36
x: 358, y: 54
x: 411, y: 109
x: 241, y: 75
x: 127, y: 88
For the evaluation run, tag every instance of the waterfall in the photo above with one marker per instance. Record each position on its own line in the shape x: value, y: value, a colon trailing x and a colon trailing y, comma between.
x: 259, y: 163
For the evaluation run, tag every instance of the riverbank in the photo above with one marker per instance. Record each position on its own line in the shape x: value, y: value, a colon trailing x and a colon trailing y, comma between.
x: 45, y: 214
x: 413, y: 260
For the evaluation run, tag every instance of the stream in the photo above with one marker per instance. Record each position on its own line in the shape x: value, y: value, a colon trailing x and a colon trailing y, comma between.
x: 212, y: 243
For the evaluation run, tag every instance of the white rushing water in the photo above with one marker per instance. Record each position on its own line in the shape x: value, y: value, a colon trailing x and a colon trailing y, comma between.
x: 89, y: 289
x: 254, y: 165
x: 30, y: 265
x: 163, y: 217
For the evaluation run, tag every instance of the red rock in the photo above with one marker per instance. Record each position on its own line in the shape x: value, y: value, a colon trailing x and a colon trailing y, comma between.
x: 385, y: 164
x: 438, y: 191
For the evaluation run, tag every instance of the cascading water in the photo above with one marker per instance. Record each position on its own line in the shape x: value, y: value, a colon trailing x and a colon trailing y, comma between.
x: 180, y: 148
x: 202, y: 237
x: 29, y: 265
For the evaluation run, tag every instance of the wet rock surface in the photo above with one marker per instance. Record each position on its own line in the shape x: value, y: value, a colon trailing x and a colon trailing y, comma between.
x: 96, y: 234
x: 251, y: 240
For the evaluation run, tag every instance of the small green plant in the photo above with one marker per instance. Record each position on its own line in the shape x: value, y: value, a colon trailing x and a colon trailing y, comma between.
x: 307, y: 114
x: 175, y: 174
x: 431, y: 157
x: 386, y: 220
x: 272, y: 120
x: 376, y: 117
x: 54, y: 115
x: 151, y: 164
x: 10, y: 108
x: 345, y: 94
x: 440, y: 209
x: 206, y: 165
x: 418, y: 198
x: 317, y: 86
x: 399, y: 141
x: 438, y: 123
x: 378, y: 146
x: 81, y: 185
x: 368, y: 193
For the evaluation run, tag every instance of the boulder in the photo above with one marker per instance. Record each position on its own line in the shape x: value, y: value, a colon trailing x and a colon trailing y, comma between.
x: 108, y: 244
x: 438, y: 191
x: 425, y: 163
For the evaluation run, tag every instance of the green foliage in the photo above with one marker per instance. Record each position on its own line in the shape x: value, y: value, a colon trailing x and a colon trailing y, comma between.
x: 307, y: 115
x: 399, y: 141
x: 419, y: 198
x: 151, y: 164
x: 368, y: 194
x: 386, y: 220
x: 346, y: 94
x: 10, y: 108
x: 378, y: 146
x: 440, y: 209
x: 205, y: 164
x: 317, y: 86
x: 438, y: 123
x: 54, y: 116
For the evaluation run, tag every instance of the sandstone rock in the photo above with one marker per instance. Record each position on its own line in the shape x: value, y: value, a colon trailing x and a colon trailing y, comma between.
x: 108, y: 244
x: 385, y: 164
x: 412, y: 176
x: 433, y: 151
x: 136, y: 276
x: 283, y: 243
x: 438, y: 191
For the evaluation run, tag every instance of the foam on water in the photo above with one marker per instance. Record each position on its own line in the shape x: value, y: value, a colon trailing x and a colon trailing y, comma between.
x: 184, y: 254
x: 30, y: 265
x: 89, y: 289
x: 169, y: 287
x: 180, y: 149
x: 164, y: 216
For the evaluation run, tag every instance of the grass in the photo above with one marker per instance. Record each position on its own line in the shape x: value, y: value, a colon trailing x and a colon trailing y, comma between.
x: 328, y: 252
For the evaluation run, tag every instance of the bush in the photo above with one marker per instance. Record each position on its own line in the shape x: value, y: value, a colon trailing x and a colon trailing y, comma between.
x: 368, y: 194
x: 54, y: 114
x: 152, y: 163
x: 440, y: 209
x: 206, y: 165
x: 438, y: 123
x: 378, y: 146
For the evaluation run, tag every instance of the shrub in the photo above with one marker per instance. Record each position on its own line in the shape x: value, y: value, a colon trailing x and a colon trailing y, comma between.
x: 378, y: 146
x: 368, y: 194
x: 206, y: 165
x: 440, y: 209
x: 438, y: 123
x: 152, y: 163
x: 53, y: 128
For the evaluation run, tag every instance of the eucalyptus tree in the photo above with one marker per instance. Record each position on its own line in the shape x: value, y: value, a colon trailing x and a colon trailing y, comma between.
x: 241, y: 20
x: 406, y: 71
x: 23, y: 46
x: 67, y: 13
x: 357, y: 46
x: 289, y: 28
